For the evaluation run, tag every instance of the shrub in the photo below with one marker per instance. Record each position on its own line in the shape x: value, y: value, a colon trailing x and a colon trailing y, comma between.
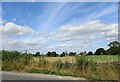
x: 92, y: 64
x: 81, y: 61
x: 58, y: 64
x: 66, y: 64
x: 90, y: 53
x: 42, y: 61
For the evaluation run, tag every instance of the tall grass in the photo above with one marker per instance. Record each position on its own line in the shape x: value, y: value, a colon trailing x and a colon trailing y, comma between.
x: 82, y: 67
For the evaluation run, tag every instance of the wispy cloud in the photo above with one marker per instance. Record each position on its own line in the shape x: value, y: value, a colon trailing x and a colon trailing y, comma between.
x: 63, y: 26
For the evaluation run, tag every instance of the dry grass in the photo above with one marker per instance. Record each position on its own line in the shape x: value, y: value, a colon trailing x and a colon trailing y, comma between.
x: 71, y: 59
x: 54, y: 59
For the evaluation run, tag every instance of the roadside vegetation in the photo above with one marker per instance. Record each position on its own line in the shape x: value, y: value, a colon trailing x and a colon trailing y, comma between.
x: 87, y: 65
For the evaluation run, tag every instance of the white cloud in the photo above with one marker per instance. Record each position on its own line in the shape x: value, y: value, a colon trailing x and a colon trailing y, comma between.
x: 87, y: 36
x: 32, y: 41
x: 72, y: 32
x: 14, y: 29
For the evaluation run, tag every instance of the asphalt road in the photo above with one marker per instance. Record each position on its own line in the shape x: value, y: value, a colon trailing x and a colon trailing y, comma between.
x: 22, y: 76
x: 29, y: 76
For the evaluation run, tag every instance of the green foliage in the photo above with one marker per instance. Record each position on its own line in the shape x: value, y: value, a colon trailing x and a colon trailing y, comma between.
x: 58, y: 64
x: 114, y: 44
x: 42, y: 61
x: 90, y: 53
x: 10, y: 55
x: 94, y: 77
x: 37, y: 54
x: 113, y: 51
x: 114, y: 48
x: 63, y: 54
x: 52, y: 54
x: 62, y: 73
x: 72, y: 53
x: 14, y: 60
x: 66, y: 64
x: 34, y: 70
x: 81, y: 61
x: 12, y: 66
x: 103, y: 57
x: 25, y: 58
x: 100, y: 51
x: 92, y: 65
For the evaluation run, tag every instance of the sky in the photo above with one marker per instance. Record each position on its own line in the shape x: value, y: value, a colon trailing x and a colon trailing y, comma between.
x: 58, y: 26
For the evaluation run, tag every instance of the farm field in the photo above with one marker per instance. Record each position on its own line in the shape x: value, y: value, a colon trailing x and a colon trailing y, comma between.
x: 104, y: 57
x: 71, y: 59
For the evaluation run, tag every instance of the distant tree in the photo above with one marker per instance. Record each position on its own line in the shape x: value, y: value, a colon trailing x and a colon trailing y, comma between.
x: 72, y: 53
x: 114, y: 48
x: 37, y: 54
x: 100, y: 51
x: 114, y: 44
x: 82, y: 53
x: 48, y: 54
x: 54, y: 54
x: 90, y: 53
x: 62, y: 54
x: 113, y: 51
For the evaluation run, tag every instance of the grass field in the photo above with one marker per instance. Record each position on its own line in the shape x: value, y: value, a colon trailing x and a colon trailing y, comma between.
x: 80, y: 68
x: 94, y: 58
x: 104, y: 57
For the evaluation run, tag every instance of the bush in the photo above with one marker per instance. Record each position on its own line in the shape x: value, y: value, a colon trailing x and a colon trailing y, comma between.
x: 58, y: 64
x: 42, y: 61
x: 92, y: 64
x: 81, y: 61
x: 90, y: 53
x: 66, y: 64
x: 100, y: 51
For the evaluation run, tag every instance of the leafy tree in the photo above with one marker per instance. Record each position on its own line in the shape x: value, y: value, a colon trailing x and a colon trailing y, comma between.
x: 48, y: 54
x: 114, y: 48
x: 114, y: 44
x: 54, y: 54
x: 63, y: 54
x: 82, y: 53
x: 100, y: 51
x: 72, y: 53
x: 90, y: 53
x: 113, y: 51
x: 37, y: 53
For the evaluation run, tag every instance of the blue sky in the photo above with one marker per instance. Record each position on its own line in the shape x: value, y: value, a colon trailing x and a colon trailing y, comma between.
x: 58, y: 26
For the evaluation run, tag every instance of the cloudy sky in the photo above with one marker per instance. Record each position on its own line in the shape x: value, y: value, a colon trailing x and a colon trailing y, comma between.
x: 58, y: 26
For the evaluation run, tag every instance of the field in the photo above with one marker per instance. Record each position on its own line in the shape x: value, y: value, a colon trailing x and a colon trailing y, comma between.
x: 76, y: 66
x: 71, y: 59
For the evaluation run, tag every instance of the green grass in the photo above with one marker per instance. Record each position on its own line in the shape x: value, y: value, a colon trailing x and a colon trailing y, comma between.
x: 104, y: 57
x: 46, y: 71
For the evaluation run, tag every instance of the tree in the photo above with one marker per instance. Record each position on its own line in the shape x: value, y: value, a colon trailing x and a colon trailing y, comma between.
x: 63, y: 54
x: 37, y: 54
x: 114, y: 44
x: 72, y: 53
x: 48, y: 54
x: 82, y: 53
x: 54, y: 54
x: 100, y: 51
x: 114, y: 48
x: 90, y: 53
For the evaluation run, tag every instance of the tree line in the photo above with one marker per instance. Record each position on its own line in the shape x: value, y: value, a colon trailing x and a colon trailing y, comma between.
x: 114, y: 49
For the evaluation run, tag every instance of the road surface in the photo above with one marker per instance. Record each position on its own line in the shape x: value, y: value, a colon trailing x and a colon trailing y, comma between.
x: 29, y: 76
